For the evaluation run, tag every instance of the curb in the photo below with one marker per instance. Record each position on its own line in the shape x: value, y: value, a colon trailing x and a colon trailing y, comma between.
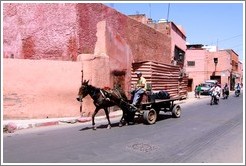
x: 10, y: 127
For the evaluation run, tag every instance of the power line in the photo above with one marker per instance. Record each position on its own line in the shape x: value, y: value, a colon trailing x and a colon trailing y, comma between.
x: 238, y: 45
x: 230, y: 38
x: 218, y: 41
x: 226, y: 39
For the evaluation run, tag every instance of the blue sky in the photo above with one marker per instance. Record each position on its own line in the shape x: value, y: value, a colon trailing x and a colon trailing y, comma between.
x: 207, y: 23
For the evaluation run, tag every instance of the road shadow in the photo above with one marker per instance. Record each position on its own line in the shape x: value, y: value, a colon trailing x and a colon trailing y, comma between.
x: 102, y: 126
x: 164, y: 117
x: 137, y: 121
x: 113, y: 125
x: 160, y: 117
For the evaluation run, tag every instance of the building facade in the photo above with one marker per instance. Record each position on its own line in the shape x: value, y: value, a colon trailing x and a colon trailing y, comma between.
x: 105, y: 41
x: 176, y: 33
x: 203, y: 64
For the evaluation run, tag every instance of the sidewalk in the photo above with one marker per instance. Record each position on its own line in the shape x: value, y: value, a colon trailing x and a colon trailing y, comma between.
x: 12, y: 125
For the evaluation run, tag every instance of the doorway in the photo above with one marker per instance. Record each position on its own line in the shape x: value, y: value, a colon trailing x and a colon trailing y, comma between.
x: 190, y: 83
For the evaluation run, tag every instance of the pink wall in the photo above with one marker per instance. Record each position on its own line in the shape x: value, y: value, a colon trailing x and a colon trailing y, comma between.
x: 205, y: 66
x: 224, y: 62
x: 110, y: 64
x: 40, y: 31
x: 176, y: 37
x: 240, y: 71
x: 196, y: 72
x: 40, y: 88
x: 223, y: 66
x: 175, y: 32
x: 61, y: 31
x: 145, y: 42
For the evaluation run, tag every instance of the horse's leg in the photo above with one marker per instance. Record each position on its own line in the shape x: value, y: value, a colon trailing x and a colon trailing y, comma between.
x: 93, y: 118
x: 121, y: 120
x: 124, y: 118
x: 107, y: 115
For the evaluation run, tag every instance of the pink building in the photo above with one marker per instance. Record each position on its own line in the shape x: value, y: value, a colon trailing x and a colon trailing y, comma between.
x: 99, y: 40
x: 202, y: 64
x: 240, y: 71
x: 176, y: 33
x: 195, y: 65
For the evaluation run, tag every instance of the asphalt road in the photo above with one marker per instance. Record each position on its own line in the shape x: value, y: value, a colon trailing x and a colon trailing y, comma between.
x: 203, y: 134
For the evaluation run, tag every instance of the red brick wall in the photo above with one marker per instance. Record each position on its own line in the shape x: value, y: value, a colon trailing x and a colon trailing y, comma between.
x: 40, y: 31
x: 145, y: 42
x: 61, y: 31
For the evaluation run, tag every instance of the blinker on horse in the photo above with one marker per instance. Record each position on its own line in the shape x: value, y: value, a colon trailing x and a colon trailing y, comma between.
x: 100, y: 100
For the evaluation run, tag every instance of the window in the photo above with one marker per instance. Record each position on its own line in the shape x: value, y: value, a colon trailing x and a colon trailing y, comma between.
x: 190, y: 63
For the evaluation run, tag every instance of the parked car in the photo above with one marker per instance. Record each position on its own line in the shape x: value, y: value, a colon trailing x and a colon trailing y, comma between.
x: 211, y: 81
x: 205, y: 87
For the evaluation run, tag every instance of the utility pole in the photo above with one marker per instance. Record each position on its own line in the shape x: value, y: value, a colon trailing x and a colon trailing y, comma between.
x: 168, y: 11
x: 149, y: 10
x: 217, y: 45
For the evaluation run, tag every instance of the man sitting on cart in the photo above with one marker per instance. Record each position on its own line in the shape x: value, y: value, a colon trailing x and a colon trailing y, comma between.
x: 140, y: 89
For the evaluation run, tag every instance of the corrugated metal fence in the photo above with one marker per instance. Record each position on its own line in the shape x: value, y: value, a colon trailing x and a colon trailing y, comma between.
x: 162, y: 77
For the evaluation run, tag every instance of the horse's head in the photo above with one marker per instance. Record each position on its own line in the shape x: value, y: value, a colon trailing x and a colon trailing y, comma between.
x: 83, y: 90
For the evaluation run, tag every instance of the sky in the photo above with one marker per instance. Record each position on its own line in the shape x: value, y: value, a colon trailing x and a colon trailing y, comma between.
x: 208, y: 23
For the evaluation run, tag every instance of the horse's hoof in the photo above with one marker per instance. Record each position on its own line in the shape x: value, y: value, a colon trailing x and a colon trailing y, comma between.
x: 120, y: 125
x: 109, y: 127
x: 94, y: 127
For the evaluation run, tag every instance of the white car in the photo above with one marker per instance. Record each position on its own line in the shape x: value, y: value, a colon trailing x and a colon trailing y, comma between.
x: 205, y: 88
x: 211, y: 81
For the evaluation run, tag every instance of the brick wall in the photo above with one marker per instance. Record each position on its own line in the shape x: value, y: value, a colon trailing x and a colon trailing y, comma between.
x: 145, y: 42
x: 61, y: 31
x: 40, y: 31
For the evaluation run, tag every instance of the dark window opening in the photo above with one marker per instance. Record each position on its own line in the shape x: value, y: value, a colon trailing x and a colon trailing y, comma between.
x: 179, y: 55
x: 190, y: 63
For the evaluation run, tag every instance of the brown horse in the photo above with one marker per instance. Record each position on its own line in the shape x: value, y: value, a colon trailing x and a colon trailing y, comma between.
x: 103, y: 99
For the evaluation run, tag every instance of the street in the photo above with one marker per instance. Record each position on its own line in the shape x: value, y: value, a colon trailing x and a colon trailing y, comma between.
x: 203, y: 134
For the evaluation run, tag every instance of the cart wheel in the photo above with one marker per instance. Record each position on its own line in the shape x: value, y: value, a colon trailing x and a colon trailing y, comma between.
x: 150, y: 116
x: 176, y: 112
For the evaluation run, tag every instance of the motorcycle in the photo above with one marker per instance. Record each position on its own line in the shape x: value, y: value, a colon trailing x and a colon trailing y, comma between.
x: 214, y: 98
x: 237, y: 92
x: 225, y: 93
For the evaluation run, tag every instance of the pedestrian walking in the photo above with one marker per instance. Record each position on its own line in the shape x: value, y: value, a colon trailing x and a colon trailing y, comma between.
x: 199, y: 88
x: 195, y: 91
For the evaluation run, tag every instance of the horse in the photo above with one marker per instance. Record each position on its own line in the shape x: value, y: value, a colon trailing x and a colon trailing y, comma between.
x: 103, y: 99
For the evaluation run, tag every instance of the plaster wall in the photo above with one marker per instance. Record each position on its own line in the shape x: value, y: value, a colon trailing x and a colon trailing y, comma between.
x: 40, y: 88
x: 40, y: 31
